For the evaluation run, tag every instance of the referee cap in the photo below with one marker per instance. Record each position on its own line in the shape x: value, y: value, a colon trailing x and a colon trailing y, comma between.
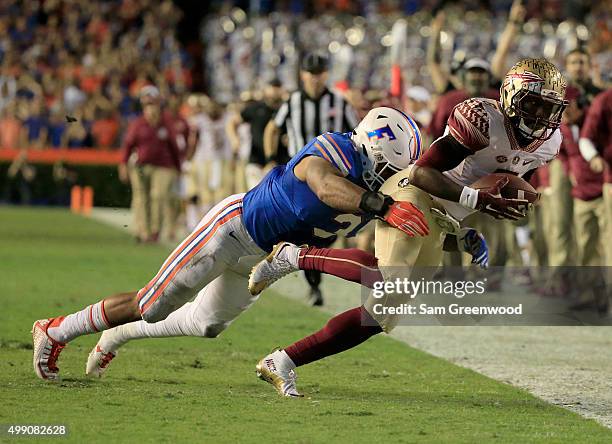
x: 315, y: 63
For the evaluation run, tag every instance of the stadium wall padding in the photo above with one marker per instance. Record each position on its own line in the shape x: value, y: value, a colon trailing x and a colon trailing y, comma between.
x: 104, y: 179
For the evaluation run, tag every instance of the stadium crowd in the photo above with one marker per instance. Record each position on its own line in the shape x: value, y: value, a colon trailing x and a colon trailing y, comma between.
x: 65, y: 58
x: 87, y: 60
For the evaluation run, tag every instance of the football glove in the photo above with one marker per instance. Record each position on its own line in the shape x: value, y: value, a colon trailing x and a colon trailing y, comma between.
x: 401, y: 215
x: 406, y: 217
x: 474, y: 243
x: 491, y: 202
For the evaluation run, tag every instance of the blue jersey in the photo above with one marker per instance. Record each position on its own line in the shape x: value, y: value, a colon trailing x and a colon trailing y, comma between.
x: 283, y: 208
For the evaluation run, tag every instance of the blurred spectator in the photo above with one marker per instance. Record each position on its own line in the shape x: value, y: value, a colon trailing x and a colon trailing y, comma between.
x: 73, y: 96
x: 508, y: 37
x: 67, y: 54
x: 562, y: 248
x: 181, y: 127
x: 595, y: 146
x: 64, y: 179
x: 182, y: 131
x: 211, y: 176
x: 418, y: 104
x: 18, y: 185
x: 56, y: 127
x: 475, y: 79
x: 8, y: 87
x: 257, y: 114
x: 579, y: 72
x: 197, y: 161
x: 588, y: 208
x: 151, y: 151
x: 443, y: 81
x: 105, y: 129
x: 248, y: 51
x: 10, y: 127
x: 35, y: 132
x: 92, y: 78
x: 77, y: 133
x: 27, y: 86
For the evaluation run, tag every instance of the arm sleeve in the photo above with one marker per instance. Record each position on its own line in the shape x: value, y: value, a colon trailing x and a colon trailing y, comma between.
x: 469, y: 124
x: 444, y: 154
x: 281, y: 115
x: 593, y: 120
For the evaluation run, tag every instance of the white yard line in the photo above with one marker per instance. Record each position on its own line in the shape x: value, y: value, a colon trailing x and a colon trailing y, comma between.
x: 566, y: 366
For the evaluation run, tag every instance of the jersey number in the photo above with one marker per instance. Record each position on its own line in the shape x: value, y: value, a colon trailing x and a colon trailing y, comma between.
x: 349, y: 222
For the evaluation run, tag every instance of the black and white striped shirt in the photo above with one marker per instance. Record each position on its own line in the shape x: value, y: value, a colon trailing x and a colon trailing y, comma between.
x: 306, y: 118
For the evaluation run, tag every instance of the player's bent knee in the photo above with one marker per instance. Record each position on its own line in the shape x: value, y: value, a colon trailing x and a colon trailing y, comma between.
x: 213, y: 330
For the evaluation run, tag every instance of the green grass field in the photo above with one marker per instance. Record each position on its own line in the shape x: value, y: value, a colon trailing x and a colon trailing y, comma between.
x: 202, y: 390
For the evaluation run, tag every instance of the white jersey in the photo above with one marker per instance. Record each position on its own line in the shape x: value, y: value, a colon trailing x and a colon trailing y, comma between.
x: 481, y: 126
x: 212, y: 141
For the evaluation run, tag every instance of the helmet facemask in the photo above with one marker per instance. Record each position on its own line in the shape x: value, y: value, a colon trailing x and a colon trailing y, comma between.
x: 378, y: 168
x: 536, y: 115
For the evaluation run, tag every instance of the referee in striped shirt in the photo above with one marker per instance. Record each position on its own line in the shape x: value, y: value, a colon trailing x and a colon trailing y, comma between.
x: 310, y: 111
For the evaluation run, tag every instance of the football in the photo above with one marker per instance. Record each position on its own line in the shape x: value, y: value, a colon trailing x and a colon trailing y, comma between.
x: 516, y: 188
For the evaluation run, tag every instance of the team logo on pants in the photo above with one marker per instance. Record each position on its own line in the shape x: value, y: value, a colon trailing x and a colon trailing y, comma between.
x: 403, y: 183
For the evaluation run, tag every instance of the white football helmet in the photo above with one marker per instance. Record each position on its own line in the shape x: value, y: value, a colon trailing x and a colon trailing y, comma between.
x: 389, y: 141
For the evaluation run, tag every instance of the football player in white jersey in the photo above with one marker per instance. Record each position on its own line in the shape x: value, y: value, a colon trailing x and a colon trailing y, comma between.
x: 516, y: 135
x: 210, y: 178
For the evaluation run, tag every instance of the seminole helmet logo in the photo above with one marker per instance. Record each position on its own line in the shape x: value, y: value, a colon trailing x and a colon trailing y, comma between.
x: 525, y: 77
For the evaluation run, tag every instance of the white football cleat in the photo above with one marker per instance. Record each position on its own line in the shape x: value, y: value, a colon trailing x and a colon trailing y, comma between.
x: 275, y: 370
x: 46, y: 351
x: 282, y: 260
x: 98, y: 361
x: 105, y: 350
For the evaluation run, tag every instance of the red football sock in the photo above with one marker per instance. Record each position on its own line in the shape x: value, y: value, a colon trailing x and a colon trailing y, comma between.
x: 350, y: 264
x: 342, y: 332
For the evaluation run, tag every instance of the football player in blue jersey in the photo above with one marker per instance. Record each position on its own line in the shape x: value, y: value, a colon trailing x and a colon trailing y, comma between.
x: 301, y: 202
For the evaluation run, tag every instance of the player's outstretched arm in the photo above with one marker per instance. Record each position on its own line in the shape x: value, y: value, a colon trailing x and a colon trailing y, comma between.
x: 445, y: 154
x: 337, y: 192
x: 329, y: 185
